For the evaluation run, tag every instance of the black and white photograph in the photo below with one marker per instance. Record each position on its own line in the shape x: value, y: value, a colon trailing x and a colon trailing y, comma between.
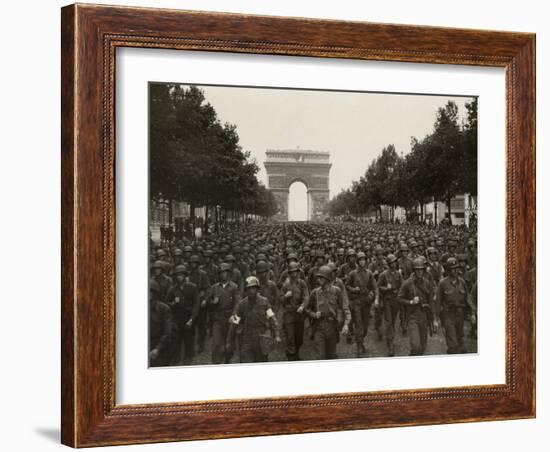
x: 294, y: 224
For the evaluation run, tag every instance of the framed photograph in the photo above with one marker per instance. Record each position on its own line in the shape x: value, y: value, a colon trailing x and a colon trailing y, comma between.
x: 281, y: 225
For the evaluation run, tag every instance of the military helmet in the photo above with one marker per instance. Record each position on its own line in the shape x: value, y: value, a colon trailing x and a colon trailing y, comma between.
x: 224, y: 267
x: 340, y: 252
x: 177, y: 252
x: 325, y: 272
x: 261, y: 257
x: 418, y: 263
x: 452, y: 263
x: 208, y: 253
x: 154, y: 286
x: 378, y: 249
x: 194, y: 259
x: 319, y: 253
x: 181, y: 269
x: 161, y: 253
x: 361, y: 255
x: 187, y: 249
x: 391, y: 258
x: 462, y: 257
x: 229, y: 258
x: 403, y: 247
x: 351, y: 252
x: 261, y: 267
x: 252, y: 281
x: 158, y: 264
x: 292, y: 256
x: 293, y: 267
x: 431, y: 250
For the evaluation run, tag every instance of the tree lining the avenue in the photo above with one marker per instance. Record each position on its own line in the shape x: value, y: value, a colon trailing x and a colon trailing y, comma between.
x: 440, y: 166
x: 196, y: 159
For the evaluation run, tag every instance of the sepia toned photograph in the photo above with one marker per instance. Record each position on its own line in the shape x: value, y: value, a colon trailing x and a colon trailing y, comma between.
x: 297, y: 224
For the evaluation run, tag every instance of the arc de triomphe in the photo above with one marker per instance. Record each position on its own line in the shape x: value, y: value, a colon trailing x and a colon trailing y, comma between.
x: 312, y: 168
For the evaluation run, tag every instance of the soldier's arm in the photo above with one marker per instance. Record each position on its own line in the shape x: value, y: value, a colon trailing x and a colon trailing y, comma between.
x: 382, y: 283
x: 374, y: 287
x: 305, y: 295
x: 274, y: 325
x: 344, y: 304
x: 440, y: 292
x: 310, y: 307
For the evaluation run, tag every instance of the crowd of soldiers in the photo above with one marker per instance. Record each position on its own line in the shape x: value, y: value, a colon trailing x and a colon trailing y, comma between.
x: 240, y: 294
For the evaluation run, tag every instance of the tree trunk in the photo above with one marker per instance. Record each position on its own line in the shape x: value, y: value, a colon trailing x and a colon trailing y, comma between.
x: 169, y: 212
x: 449, y: 210
x: 206, y: 220
x: 216, y: 219
x: 192, y: 215
x: 435, y: 211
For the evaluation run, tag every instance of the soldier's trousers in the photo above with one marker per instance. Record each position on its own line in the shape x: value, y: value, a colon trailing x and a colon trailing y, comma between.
x: 293, y: 330
x: 418, y: 331
x: 325, y: 338
x: 391, y: 311
x: 378, y: 315
x: 201, y: 327
x: 452, y: 320
x: 361, y: 319
x: 250, y: 350
x: 220, y: 327
x: 184, y: 346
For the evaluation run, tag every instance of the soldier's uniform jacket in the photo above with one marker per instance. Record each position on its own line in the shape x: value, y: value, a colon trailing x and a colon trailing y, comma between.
x: 200, y: 279
x: 340, y: 284
x: 270, y: 291
x: 330, y: 302
x: 377, y: 267
x: 160, y: 322
x: 243, y: 268
x: 364, y: 279
x: 253, y: 318
x: 392, y: 277
x: 236, y: 276
x: 212, y: 272
x: 165, y: 283
x: 452, y: 294
x: 284, y: 276
x: 184, y: 301
x: 421, y: 288
x: 470, y: 277
x: 300, y: 294
x: 312, y: 277
x: 345, y: 269
x: 405, y: 266
x: 228, y: 297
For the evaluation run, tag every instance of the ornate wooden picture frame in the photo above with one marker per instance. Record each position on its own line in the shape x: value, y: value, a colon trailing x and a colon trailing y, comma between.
x: 90, y: 37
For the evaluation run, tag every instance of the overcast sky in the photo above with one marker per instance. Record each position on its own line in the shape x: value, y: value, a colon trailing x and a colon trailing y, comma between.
x: 353, y: 127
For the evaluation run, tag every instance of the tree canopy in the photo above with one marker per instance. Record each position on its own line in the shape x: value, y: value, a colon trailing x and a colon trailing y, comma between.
x: 440, y: 166
x: 197, y: 159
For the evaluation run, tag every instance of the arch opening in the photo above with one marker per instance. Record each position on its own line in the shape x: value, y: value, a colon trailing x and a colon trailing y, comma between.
x: 297, y: 201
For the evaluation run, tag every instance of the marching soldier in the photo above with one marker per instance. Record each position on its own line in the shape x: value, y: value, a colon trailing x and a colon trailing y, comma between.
x: 294, y: 295
x: 224, y: 296
x: 377, y: 266
x: 200, y: 279
x: 254, y: 325
x: 363, y: 291
x: 183, y: 299
x: 416, y: 294
x: 268, y: 288
x: 164, y: 281
x: 453, y: 300
x: 328, y: 309
x: 389, y: 283
x: 160, y: 328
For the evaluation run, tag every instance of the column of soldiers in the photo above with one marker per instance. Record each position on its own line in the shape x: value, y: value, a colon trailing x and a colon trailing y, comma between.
x: 240, y: 294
